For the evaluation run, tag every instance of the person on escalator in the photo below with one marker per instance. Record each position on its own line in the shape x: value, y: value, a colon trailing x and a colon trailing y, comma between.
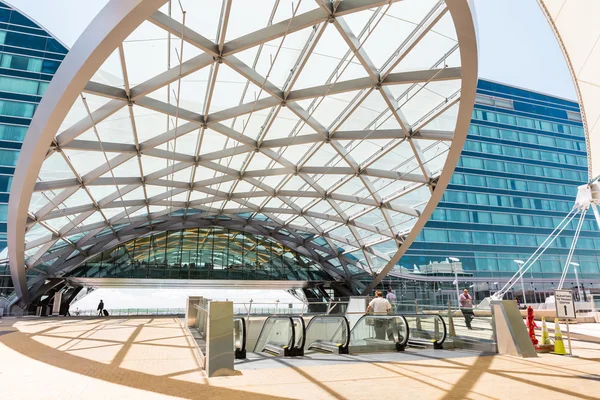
x: 466, y: 306
x: 379, y: 306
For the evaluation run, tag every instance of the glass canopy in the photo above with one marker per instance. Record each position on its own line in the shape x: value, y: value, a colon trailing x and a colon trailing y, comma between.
x: 202, y: 253
x: 324, y: 125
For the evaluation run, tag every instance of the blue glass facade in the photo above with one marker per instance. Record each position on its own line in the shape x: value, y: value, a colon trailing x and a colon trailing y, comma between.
x: 29, y: 57
x: 517, y: 178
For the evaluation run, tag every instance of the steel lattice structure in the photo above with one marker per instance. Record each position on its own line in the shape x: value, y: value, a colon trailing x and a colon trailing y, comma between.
x: 334, y: 128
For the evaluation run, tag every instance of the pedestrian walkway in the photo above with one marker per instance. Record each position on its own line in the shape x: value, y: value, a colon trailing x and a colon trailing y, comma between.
x: 151, y: 358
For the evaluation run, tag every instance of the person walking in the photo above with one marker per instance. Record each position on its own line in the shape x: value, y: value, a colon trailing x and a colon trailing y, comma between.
x: 379, y: 306
x: 391, y: 297
x: 100, y: 308
x: 466, y: 306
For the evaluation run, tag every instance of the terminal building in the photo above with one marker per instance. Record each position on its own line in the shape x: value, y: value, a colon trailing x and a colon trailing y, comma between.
x: 345, y: 195
x: 517, y: 178
x: 29, y: 57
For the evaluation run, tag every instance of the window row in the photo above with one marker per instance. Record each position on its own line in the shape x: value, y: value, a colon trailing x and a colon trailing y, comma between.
x: 495, y: 200
x: 524, y: 137
x: 17, y: 109
x: 502, y: 239
x: 23, y: 40
x: 483, y: 217
x: 13, y: 133
x: 25, y: 86
x: 522, y: 169
x: 30, y: 64
x: 530, y: 123
x: 513, y: 184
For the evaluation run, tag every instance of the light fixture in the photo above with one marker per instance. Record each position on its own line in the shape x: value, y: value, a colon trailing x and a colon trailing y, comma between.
x: 519, y: 261
x: 574, y: 264
x: 454, y: 259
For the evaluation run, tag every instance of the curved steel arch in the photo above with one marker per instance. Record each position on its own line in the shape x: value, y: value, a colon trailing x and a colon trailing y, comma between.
x: 117, y: 20
x: 112, y: 25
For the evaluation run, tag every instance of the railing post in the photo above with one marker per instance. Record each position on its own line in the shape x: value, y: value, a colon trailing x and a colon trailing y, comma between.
x: 451, y: 331
x: 418, y: 320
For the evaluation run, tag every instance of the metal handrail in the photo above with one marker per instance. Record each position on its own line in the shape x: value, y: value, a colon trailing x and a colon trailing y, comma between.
x: 434, y: 316
x: 278, y: 317
x: 303, y: 331
x: 243, y: 344
x: 346, y: 323
x: 388, y: 316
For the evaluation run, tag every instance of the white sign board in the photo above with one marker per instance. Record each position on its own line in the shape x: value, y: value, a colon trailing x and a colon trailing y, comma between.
x: 565, y: 307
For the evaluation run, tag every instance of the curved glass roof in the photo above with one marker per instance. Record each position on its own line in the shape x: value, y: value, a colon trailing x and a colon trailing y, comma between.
x: 323, y: 124
x: 203, y: 253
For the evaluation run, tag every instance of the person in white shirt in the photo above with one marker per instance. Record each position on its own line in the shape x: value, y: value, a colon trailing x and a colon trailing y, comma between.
x: 379, y: 306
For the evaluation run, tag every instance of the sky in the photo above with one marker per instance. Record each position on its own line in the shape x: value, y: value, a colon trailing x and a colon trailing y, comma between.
x: 516, y: 47
x: 516, y: 44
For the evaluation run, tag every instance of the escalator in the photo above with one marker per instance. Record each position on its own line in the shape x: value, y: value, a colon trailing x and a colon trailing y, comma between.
x: 282, y: 336
x: 426, y: 330
x: 328, y: 334
x: 377, y: 333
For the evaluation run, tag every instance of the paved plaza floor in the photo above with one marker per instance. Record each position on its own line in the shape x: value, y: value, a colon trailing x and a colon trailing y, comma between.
x: 151, y: 358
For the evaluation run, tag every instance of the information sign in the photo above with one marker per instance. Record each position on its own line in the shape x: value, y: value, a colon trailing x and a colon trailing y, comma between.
x: 565, y: 307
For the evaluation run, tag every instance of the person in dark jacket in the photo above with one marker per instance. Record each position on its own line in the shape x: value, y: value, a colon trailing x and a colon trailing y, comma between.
x: 100, y: 308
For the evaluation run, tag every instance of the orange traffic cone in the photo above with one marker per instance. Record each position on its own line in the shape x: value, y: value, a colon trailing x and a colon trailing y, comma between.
x: 559, y: 346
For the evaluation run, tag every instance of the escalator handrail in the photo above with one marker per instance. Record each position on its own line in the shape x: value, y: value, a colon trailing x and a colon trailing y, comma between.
x: 243, y: 346
x: 303, y: 331
x: 445, y: 332
x: 346, y: 323
x: 279, y: 317
x: 389, y: 316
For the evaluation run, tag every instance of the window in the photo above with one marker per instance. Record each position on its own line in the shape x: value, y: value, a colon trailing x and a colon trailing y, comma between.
x: 5, y: 183
x: 16, y: 109
x: 16, y: 85
x: 459, y: 236
x: 12, y: 132
x: 514, y: 168
x: 438, y: 215
x: 8, y: 157
x: 492, y: 165
x: 506, y: 119
x: 3, y: 212
x: 21, y: 63
x: 525, y: 122
x: 491, y: 148
x: 25, y: 41
x: 504, y: 103
x: 511, y: 151
x: 435, y: 235
x: 2, y: 37
x: 475, y: 180
x: 484, y: 218
x: 502, y: 219
x: 483, y: 238
x: 536, y: 187
x: 457, y: 215
x: 497, y: 183
x: 50, y: 67
x: 505, y: 239
x: 475, y: 163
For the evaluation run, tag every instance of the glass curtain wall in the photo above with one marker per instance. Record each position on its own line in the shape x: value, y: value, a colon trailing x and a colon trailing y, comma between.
x: 517, y: 178
x: 29, y: 58
x: 202, y: 253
